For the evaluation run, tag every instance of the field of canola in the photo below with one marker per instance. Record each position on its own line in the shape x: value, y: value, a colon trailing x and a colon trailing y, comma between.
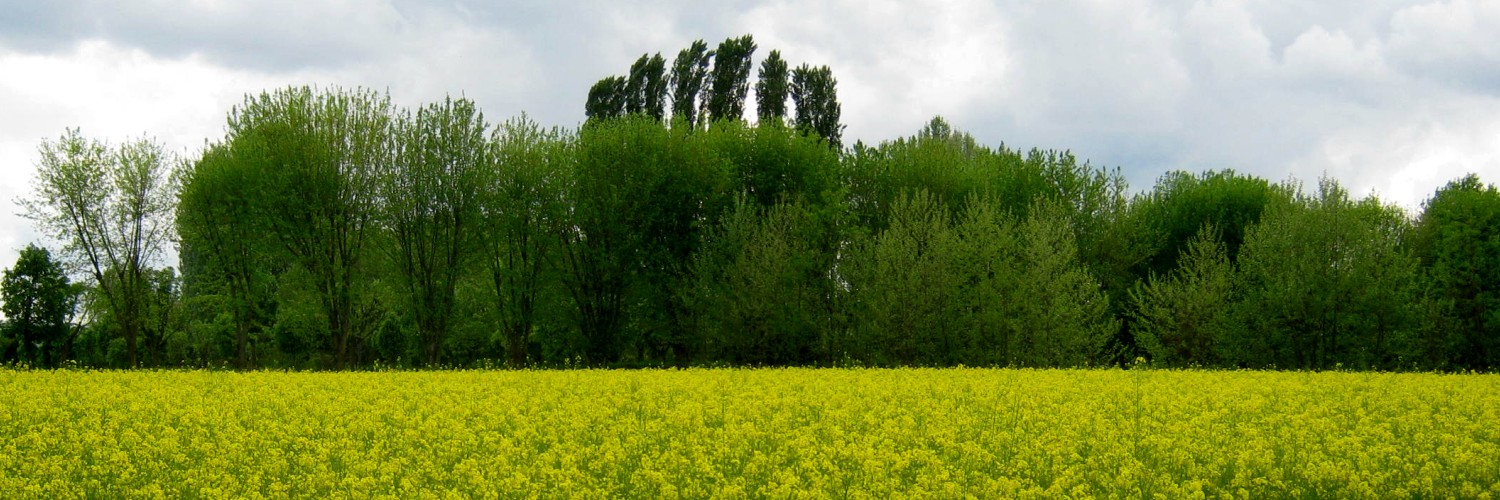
x: 779, y: 433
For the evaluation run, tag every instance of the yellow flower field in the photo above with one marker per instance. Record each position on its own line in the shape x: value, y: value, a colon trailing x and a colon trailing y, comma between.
x: 800, y: 433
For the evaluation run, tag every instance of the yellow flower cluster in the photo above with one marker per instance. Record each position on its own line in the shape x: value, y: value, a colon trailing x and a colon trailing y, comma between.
x: 781, y: 433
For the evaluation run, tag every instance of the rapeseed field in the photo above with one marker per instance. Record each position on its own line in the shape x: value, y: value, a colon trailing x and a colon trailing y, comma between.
x: 736, y: 433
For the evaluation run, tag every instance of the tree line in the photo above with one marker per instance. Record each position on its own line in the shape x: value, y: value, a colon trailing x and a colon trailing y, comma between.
x: 330, y: 229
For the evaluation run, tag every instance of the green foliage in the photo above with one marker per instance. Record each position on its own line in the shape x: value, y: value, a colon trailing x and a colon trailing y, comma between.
x: 646, y: 87
x: 815, y: 92
x: 1059, y: 302
x: 1181, y: 317
x: 1458, y: 242
x: 607, y: 99
x: 1146, y: 241
x: 639, y: 195
x: 300, y: 328
x: 757, y: 292
x: 163, y: 317
x: 988, y: 289
x: 318, y: 156
x: 689, y: 73
x: 771, y: 89
x: 772, y: 164
x: 222, y: 231
x: 113, y: 209
x: 642, y: 92
x: 1326, y: 283
x: 903, y: 287
x: 730, y: 79
x: 1182, y: 203
x: 950, y: 164
x: 524, y: 220
x: 431, y: 208
x: 330, y: 229
x: 37, y: 301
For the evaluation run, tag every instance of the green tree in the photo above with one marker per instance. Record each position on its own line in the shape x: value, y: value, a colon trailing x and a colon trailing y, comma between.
x: 938, y: 159
x: 607, y: 99
x: 773, y: 164
x: 904, y: 287
x: 318, y: 155
x: 1181, y: 317
x: 985, y: 263
x: 430, y: 197
x: 771, y: 89
x: 219, y: 222
x: 730, y: 81
x: 162, y: 326
x: 1326, y: 282
x: 38, y: 303
x: 113, y: 208
x: 1181, y: 203
x: 1066, y: 313
x: 689, y: 74
x: 646, y: 87
x: 639, y: 196
x: 1458, y: 242
x: 815, y: 93
x: 208, y: 311
x: 757, y: 290
x: 524, y: 213
x: 600, y: 247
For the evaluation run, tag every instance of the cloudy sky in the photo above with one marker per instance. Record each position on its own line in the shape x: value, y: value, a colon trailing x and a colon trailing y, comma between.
x: 1390, y: 97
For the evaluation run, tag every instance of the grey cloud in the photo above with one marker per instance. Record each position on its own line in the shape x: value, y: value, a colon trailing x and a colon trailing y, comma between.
x: 1261, y: 87
x: 266, y: 35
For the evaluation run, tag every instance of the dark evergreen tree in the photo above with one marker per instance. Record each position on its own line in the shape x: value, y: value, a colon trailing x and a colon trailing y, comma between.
x: 1181, y: 317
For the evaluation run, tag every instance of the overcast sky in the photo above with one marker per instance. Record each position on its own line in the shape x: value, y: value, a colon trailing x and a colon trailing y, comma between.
x: 1389, y: 97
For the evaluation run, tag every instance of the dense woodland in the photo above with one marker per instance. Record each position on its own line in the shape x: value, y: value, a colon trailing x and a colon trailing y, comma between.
x: 330, y: 229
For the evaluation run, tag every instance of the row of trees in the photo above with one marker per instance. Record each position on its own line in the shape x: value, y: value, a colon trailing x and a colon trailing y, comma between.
x: 331, y: 229
x: 711, y: 86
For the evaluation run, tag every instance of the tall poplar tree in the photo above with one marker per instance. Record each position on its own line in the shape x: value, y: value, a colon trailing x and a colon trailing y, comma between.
x: 689, y: 71
x: 815, y: 91
x: 607, y: 99
x: 731, y: 79
x: 771, y: 89
x: 646, y: 87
